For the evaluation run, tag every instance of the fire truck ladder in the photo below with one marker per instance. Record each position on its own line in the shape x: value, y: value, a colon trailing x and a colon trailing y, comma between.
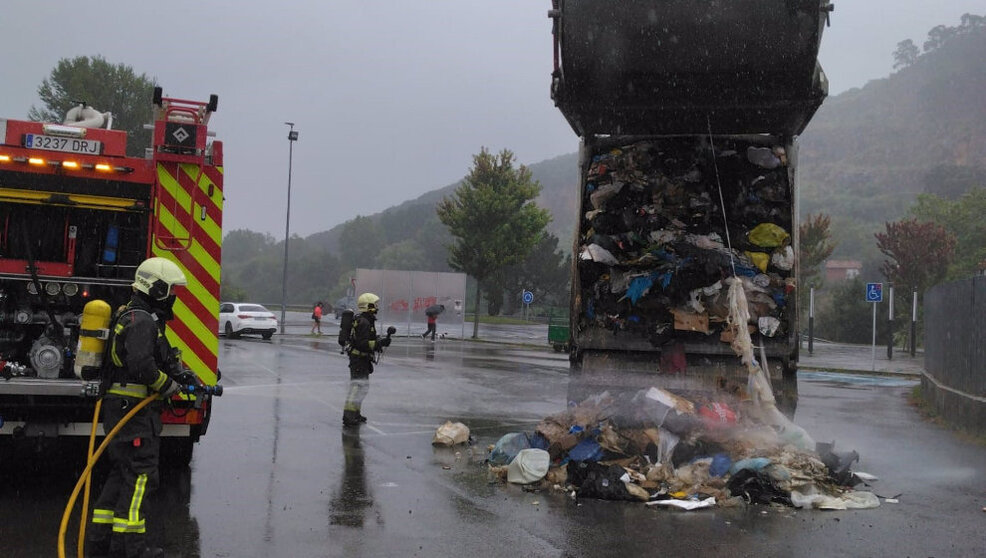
x: 183, y: 147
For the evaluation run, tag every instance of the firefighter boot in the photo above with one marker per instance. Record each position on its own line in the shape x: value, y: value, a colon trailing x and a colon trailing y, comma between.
x: 351, y: 418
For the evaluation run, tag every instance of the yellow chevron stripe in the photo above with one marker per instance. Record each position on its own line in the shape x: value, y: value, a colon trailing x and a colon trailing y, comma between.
x: 208, y: 338
x: 208, y: 299
x: 171, y: 184
x: 209, y: 226
x: 195, y: 249
x: 169, y: 222
x: 192, y: 359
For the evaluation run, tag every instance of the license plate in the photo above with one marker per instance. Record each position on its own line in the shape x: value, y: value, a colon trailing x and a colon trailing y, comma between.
x: 67, y: 145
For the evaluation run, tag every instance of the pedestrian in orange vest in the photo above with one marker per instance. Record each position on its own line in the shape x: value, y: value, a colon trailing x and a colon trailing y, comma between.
x: 317, y: 318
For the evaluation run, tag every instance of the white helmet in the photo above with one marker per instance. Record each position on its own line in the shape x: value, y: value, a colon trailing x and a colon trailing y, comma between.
x: 157, y: 278
x: 367, y: 302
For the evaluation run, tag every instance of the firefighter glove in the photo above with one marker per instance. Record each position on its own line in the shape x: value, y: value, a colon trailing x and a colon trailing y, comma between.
x: 169, y: 388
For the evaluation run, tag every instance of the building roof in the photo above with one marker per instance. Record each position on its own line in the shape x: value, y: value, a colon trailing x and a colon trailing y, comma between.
x: 850, y: 264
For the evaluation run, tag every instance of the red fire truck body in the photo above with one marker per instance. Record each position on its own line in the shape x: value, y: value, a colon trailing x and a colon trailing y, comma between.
x: 77, y: 216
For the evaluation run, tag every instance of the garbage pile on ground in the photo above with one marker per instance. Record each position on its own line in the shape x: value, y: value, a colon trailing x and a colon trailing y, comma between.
x: 664, y: 449
x: 665, y: 223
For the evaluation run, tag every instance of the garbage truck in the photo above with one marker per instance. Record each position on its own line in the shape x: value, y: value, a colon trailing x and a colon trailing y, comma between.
x: 688, y: 114
x: 77, y: 216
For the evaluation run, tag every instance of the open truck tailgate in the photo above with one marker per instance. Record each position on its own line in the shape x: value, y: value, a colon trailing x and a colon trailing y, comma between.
x: 685, y: 66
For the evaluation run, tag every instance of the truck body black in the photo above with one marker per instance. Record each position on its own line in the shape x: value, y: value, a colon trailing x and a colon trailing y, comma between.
x: 688, y: 114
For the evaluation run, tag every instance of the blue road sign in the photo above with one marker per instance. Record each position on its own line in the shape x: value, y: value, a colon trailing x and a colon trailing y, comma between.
x: 528, y: 297
x: 874, y: 292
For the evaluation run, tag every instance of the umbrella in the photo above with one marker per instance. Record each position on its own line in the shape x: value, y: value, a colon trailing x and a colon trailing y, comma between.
x: 434, y: 309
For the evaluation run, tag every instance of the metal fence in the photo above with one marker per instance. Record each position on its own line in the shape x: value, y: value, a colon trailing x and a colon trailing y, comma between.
x: 955, y: 334
x: 404, y: 296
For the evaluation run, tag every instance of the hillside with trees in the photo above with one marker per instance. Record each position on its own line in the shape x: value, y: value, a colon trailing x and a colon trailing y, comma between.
x: 869, y: 152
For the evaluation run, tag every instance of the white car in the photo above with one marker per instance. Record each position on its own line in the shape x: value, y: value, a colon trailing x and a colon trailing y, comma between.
x: 237, y: 318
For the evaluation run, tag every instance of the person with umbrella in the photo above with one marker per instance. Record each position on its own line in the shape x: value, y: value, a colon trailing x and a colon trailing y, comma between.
x: 432, y: 312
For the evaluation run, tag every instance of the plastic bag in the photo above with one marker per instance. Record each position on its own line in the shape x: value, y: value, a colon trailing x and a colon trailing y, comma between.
x: 529, y: 466
x: 507, y: 448
x: 768, y: 235
x: 450, y: 434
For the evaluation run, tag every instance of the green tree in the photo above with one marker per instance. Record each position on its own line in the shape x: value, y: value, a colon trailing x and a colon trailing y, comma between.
x: 493, y: 219
x: 360, y: 242
x: 402, y: 255
x: 906, y: 54
x: 963, y: 219
x: 104, y: 86
x: 847, y: 317
x: 919, y: 253
x: 546, y: 272
x: 814, y: 246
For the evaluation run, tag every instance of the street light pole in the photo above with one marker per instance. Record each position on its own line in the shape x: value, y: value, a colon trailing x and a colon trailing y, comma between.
x: 292, y: 137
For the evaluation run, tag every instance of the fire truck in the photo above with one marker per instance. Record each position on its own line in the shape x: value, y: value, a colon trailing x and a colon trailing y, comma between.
x: 77, y: 216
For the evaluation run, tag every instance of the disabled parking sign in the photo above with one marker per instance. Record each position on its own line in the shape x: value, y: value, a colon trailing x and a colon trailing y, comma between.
x: 874, y: 292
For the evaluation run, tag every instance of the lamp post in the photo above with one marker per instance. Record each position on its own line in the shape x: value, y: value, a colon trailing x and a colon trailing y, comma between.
x: 292, y: 137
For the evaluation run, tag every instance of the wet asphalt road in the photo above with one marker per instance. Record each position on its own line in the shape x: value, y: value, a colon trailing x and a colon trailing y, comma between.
x: 278, y: 476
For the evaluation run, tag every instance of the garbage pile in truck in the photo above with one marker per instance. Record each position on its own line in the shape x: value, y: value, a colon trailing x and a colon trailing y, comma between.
x: 660, y: 448
x: 667, y: 220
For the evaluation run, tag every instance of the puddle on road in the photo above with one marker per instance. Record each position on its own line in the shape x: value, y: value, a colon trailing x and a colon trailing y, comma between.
x: 857, y: 379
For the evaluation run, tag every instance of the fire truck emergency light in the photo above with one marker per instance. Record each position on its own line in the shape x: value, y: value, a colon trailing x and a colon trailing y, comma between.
x: 36, y: 161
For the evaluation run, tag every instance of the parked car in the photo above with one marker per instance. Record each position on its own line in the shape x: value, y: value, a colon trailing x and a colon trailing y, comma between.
x: 343, y: 304
x: 237, y: 318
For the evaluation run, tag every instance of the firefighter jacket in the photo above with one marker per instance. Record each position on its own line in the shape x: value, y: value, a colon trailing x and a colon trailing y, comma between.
x: 141, y: 353
x: 363, y: 341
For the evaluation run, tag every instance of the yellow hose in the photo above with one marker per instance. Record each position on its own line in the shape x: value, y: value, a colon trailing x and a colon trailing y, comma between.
x: 88, y: 471
x: 85, y: 494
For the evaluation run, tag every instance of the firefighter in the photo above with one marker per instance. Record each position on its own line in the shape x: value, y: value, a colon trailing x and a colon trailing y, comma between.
x: 364, y: 345
x: 142, y: 362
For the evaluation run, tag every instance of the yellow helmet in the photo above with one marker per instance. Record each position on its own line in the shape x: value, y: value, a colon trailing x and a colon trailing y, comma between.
x: 157, y: 278
x: 367, y: 302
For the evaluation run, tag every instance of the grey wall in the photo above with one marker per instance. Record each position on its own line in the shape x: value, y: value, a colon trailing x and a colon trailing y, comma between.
x: 955, y: 352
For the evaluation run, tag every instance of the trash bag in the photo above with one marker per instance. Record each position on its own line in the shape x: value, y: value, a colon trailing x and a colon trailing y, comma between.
x: 586, y: 450
x: 450, y: 434
x: 768, y: 235
x: 757, y: 487
x: 838, y: 464
x: 507, y: 448
x: 604, y: 482
x: 530, y: 465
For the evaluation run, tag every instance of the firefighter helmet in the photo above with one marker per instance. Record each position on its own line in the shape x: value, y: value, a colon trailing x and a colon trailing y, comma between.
x: 157, y: 278
x: 367, y: 302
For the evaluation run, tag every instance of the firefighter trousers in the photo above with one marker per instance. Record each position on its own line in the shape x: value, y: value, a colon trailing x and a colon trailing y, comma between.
x: 118, y: 522
x: 360, y: 369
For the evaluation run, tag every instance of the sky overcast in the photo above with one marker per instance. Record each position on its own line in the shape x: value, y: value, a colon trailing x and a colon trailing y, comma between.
x: 391, y: 98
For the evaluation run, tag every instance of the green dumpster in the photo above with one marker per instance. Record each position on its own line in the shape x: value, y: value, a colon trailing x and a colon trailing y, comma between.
x: 558, y: 336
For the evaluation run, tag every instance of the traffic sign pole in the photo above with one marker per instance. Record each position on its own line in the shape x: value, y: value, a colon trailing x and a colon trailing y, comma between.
x: 874, y: 339
x: 874, y: 294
